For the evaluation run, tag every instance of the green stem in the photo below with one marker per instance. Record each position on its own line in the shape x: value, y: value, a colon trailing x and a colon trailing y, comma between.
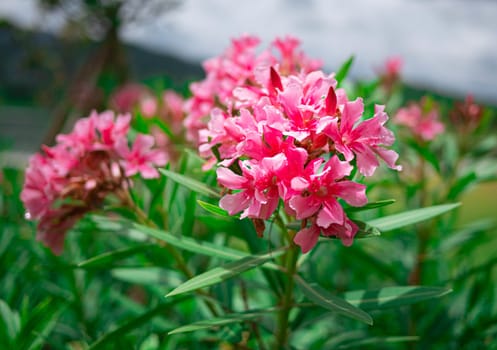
x: 282, y: 331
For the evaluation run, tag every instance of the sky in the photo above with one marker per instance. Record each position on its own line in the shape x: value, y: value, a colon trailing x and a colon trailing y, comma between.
x: 449, y: 45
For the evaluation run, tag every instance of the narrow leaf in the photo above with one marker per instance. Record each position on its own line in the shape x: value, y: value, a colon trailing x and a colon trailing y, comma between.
x: 141, y: 232
x: 9, y: 320
x: 372, y: 205
x: 189, y: 244
x: 109, y: 258
x: 392, y: 222
x: 378, y: 341
x: 427, y: 154
x: 366, y: 230
x: 214, y: 209
x: 462, y: 184
x: 151, y: 275
x: 190, y: 183
x: 217, y: 322
x: 323, y: 298
x: 224, y: 272
x: 393, y: 296
x: 40, y: 323
x: 343, y: 71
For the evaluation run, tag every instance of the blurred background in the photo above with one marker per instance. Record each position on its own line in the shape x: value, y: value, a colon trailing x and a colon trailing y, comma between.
x: 67, y: 55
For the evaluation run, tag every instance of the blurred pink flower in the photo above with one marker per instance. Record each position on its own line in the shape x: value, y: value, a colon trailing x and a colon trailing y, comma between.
x: 128, y: 97
x: 66, y: 181
x: 422, y: 119
x: 466, y: 116
x: 141, y: 158
x: 149, y: 106
x: 393, y: 66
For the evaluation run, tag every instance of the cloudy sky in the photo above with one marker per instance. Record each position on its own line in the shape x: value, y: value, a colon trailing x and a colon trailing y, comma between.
x: 447, y: 44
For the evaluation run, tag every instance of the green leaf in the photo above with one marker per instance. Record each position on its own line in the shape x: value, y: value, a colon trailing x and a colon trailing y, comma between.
x: 224, y: 272
x: 214, y: 209
x: 140, y: 232
x: 189, y: 244
x: 392, y: 222
x: 218, y: 322
x: 343, y: 71
x: 109, y: 258
x: 366, y: 230
x: 462, y: 184
x: 9, y: 322
x: 393, y: 296
x: 190, y: 183
x: 146, y: 275
x: 40, y: 323
x: 427, y: 154
x: 323, y: 298
x: 373, y: 205
x: 378, y: 341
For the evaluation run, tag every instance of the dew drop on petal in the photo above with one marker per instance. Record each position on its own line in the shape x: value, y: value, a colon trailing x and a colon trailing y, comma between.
x: 27, y: 215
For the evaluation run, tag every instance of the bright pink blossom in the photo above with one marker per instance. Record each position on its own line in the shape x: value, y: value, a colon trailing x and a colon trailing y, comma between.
x: 319, y: 191
x: 276, y: 133
x: 363, y: 139
x: 258, y: 183
x: 241, y: 72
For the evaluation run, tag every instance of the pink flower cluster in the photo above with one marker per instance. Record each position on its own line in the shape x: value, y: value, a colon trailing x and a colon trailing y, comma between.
x: 66, y: 181
x: 422, y: 119
x: 293, y: 139
x: 240, y: 65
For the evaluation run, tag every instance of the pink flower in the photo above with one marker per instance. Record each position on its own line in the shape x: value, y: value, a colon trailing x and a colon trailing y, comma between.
x: 127, y: 97
x: 276, y: 133
x: 259, y: 195
x: 241, y: 72
x: 149, y: 106
x: 292, y: 60
x: 393, y: 66
x: 42, y: 185
x: 364, y: 140
x: 141, y: 158
x: 74, y: 177
x: 319, y: 192
x: 466, y: 116
x: 172, y: 111
x: 422, y: 119
x: 317, y: 201
x: 308, y: 237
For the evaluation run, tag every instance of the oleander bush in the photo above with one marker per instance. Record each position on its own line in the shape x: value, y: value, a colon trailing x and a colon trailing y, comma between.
x: 276, y: 206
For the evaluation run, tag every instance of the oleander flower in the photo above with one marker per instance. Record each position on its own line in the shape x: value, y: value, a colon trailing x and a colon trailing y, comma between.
x: 239, y: 66
x: 285, y: 138
x: 422, y: 119
x: 363, y: 139
x: 466, y: 115
x: 74, y: 177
